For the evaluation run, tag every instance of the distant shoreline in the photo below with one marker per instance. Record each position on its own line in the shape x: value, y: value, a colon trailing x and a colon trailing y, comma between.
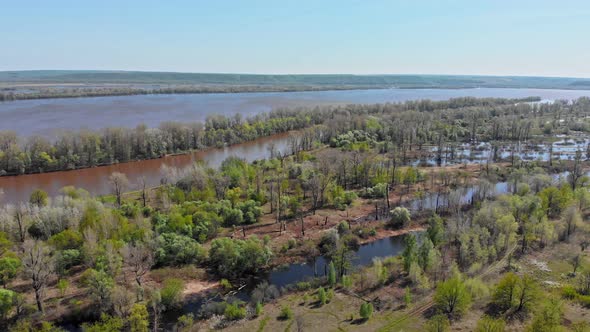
x: 49, y: 84
x: 8, y: 95
x: 53, y: 93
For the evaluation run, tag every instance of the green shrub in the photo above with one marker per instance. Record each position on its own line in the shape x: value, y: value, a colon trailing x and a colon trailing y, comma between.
x: 6, y: 301
x: 322, y: 298
x: 569, y: 292
x: 438, y: 323
x: 343, y: 227
x: 346, y: 282
x: 130, y: 210
x: 584, y: 300
x: 65, y: 259
x: 286, y: 313
x: 147, y: 211
x: 106, y: 323
x: 292, y: 243
x: 139, y: 318
x: 477, y: 288
x: 234, y: 311
x: 258, y: 309
x: 366, y: 311
x: 185, y: 323
x: 262, y: 324
x: 171, y: 292
x: 284, y: 248
x: 39, y: 198
x: 67, y: 239
x: 331, y: 274
x: 400, y: 218
x: 407, y: 297
x: 364, y: 232
x: 9, y: 267
x: 451, y: 297
x: 232, y: 258
x: 225, y: 284
x: 62, y: 285
x: 303, y: 285
x: 489, y: 324
x: 329, y: 295
x: 174, y: 249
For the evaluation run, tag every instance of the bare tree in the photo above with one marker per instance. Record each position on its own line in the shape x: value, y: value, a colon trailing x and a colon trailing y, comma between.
x: 122, y: 300
x: 22, y: 219
x: 15, y: 220
x: 119, y: 183
x: 576, y: 172
x: 143, y: 183
x: 575, y: 261
x: 155, y: 302
x: 140, y: 258
x: 38, y: 266
x: 585, y: 282
x: 572, y: 219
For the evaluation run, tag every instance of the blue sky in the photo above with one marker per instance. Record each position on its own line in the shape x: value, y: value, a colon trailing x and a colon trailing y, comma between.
x: 490, y: 37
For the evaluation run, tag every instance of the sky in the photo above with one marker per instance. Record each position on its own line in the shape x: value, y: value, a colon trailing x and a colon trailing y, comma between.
x: 486, y: 37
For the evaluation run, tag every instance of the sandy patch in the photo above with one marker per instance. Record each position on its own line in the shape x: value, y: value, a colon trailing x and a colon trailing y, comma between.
x: 196, y: 286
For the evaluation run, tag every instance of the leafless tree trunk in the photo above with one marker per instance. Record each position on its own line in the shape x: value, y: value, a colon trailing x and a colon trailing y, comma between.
x: 156, y: 304
x: 38, y: 266
x: 140, y: 258
x: 19, y: 216
x: 143, y: 183
x: 119, y: 184
x: 576, y: 172
x: 302, y: 226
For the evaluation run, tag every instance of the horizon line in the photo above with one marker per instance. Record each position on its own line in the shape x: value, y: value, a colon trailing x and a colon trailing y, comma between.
x: 290, y: 74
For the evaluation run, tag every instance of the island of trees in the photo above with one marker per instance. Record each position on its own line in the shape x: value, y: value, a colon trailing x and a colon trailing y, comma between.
x: 73, y: 150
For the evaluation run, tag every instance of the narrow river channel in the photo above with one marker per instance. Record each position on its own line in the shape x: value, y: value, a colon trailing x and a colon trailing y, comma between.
x: 95, y: 180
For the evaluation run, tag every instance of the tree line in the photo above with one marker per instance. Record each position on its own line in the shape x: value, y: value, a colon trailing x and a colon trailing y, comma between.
x: 402, y: 126
x: 50, y: 93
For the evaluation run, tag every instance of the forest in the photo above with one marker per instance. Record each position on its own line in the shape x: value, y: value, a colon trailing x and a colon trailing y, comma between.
x: 491, y: 240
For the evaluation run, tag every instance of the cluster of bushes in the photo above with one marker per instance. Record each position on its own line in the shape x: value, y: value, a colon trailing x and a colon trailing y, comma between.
x: 356, y: 140
x: 233, y: 258
x: 377, y: 191
x: 570, y: 292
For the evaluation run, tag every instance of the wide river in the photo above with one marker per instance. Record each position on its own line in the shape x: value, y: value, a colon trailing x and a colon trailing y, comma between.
x: 48, y: 116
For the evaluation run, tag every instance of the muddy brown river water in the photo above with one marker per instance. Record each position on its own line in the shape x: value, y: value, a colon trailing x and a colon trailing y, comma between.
x: 95, y: 180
